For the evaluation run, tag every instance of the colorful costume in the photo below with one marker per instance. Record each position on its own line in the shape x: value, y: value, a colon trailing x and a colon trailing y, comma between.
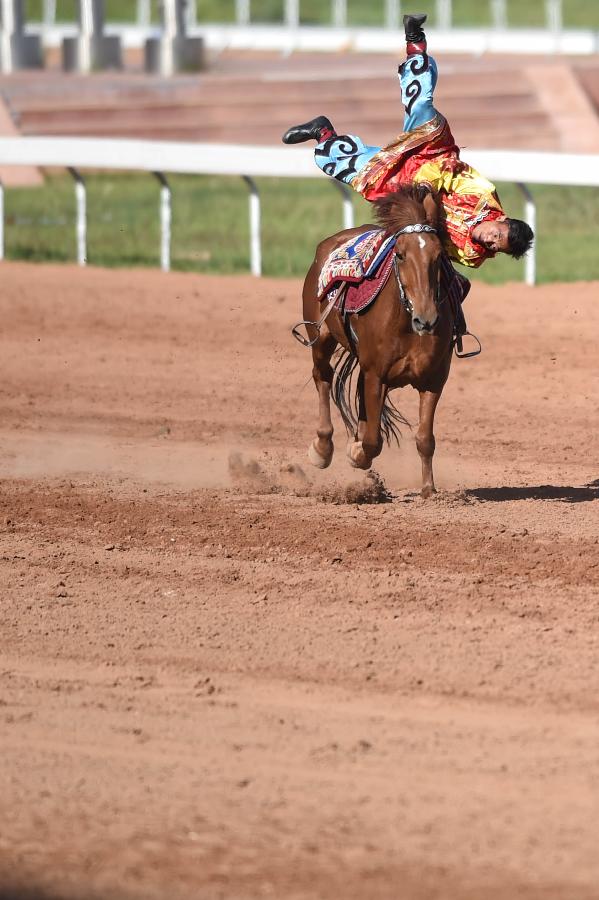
x: 425, y: 153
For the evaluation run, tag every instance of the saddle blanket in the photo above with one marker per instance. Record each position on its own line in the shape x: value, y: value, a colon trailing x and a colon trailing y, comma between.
x: 357, y: 271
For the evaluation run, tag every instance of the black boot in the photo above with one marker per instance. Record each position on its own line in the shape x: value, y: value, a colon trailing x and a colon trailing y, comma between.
x: 413, y: 28
x: 318, y: 129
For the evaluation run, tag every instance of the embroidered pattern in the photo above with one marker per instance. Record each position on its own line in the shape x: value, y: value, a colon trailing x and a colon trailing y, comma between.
x: 354, y: 260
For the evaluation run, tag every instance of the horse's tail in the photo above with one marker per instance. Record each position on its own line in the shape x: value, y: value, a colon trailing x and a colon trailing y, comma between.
x: 391, y: 420
x: 346, y: 397
x: 344, y: 391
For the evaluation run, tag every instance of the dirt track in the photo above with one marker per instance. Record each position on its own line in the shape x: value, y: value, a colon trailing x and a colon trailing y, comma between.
x: 221, y: 676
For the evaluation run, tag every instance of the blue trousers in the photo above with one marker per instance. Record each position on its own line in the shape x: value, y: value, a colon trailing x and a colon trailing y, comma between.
x: 343, y: 156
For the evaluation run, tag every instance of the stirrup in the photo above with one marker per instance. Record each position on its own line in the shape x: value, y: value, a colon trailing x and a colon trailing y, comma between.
x: 458, y: 346
x: 304, y: 341
x: 295, y: 331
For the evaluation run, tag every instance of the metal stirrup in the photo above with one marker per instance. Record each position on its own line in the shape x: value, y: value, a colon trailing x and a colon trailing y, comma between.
x: 304, y: 341
x: 458, y: 346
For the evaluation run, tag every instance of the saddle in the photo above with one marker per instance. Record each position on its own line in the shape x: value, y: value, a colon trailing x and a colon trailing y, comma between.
x: 356, y: 272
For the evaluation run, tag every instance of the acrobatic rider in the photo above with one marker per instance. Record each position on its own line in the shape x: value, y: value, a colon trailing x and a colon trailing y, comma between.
x: 476, y: 227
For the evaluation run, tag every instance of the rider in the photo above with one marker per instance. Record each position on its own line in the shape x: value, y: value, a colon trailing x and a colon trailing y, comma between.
x: 476, y: 227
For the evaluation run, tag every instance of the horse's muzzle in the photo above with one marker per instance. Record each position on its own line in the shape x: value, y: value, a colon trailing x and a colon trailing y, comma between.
x: 424, y: 326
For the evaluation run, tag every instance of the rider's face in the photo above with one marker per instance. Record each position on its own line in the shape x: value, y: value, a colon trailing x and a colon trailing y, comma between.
x: 493, y: 235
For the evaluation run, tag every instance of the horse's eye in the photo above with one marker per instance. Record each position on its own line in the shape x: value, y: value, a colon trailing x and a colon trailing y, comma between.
x: 400, y: 256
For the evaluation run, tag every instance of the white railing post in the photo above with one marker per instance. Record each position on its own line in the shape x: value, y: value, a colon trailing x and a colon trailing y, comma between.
x: 144, y: 13
x: 86, y: 31
x: 392, y: 14
x: 242, y: 12
x: 255, y: 227
x: 292, y: 18
x: 1, y: 221
x: 530, y: 216
x: 169, y: 31
x: 339, y: 13
x: 81, y: 227
x: 49, y: 13
x: 173, y: 50
x: 91, y: 48
x: 165, y: 222
x: 444, y: 15
x: 191, y: 14
x: 499, y: 13
x: 348, y: 206
x: 6, y: 35
x: 554, y: 15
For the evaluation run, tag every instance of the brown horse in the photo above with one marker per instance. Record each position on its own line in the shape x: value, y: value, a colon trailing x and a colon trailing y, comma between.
x: 404, y: 338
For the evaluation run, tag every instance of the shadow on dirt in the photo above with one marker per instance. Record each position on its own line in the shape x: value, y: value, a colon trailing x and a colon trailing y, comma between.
x: 565, y: 494
x: 22, y: 893
x: 40, y: 893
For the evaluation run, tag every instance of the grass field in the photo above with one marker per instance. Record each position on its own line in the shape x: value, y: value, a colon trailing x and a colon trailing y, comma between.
x: 210, y: 225
x: 577, y: 13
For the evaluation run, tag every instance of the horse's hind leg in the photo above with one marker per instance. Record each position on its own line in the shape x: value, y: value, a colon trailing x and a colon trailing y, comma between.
x: 425, y: 439
x: 320, y: 451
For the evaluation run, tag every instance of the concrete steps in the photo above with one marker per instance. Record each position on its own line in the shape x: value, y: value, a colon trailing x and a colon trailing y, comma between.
x: 487, y: 107
x: 263, y: 115
x: 588, y: 77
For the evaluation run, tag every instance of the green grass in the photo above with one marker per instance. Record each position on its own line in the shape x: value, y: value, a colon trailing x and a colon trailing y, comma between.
x: 521, y: 13
x: 210, y: 225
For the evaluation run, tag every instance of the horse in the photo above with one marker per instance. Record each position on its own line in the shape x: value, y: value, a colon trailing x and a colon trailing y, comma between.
x: 404, y: 338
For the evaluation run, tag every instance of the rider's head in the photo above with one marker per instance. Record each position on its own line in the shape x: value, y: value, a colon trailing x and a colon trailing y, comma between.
x: 520, y: 238
x: 505, y: 235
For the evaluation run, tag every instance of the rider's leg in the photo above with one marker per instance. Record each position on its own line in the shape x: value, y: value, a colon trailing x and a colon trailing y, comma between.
x: 417, y: 76
x: 418, y: 79
x: 343, y: 156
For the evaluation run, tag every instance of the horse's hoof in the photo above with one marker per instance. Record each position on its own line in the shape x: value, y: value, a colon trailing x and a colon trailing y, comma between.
x: 321, y: 462
x: 427, y: 492
x: 357, y: 457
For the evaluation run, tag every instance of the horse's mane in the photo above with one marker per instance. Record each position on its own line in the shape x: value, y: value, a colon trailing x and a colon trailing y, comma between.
x: 405, y: 207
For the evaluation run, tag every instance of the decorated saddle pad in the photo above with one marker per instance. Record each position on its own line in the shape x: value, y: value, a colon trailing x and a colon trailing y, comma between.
x: 357, y: 271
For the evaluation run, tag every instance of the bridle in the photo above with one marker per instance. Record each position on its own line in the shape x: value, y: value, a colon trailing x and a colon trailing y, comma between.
x: 416, y: 228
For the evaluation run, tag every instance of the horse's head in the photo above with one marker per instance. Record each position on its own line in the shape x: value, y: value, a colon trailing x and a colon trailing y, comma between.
x: 413, y: 216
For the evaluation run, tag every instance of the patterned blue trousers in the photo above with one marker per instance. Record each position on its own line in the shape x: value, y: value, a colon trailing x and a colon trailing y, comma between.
x: 342, y: 157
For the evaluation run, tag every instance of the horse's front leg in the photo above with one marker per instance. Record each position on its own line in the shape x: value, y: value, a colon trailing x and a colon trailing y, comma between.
x: 425, y: 439
x: 370, y: 443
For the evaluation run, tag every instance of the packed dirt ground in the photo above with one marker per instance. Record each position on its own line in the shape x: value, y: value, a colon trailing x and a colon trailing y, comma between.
x: 227, y: 675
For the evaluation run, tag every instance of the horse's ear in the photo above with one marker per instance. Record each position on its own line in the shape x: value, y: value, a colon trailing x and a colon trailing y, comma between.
x: 431, y: 208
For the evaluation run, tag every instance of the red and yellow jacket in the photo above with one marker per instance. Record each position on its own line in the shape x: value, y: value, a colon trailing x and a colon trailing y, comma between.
x: 429, y: 155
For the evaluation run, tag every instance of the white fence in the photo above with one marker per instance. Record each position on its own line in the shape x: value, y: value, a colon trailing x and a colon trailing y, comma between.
x: 161, y: 158
x: 553, y: 34
x: 497, y: 13
x: 280, y: 38
x: 497, y: 16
